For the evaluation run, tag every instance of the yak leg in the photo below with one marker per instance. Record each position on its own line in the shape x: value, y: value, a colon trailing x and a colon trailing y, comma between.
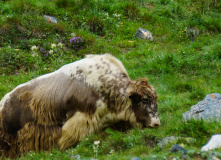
x: 74, y: 129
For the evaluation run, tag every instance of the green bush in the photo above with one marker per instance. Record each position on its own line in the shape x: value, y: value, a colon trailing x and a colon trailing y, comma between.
x: 96, y: 25
x: 12, y: 60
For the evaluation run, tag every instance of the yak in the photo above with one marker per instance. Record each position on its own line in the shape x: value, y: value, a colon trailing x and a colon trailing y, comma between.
x: 58, y: 109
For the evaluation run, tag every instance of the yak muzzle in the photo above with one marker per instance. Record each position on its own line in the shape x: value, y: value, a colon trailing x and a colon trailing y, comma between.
x: 155, y: 122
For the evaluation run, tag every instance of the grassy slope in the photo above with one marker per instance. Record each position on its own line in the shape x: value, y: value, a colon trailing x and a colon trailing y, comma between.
x: 181, y: 69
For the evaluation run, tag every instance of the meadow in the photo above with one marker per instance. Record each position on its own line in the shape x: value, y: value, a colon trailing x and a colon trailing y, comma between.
x: 183, y: 62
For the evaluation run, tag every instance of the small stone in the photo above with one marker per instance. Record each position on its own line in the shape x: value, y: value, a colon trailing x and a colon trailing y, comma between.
x: 173, y: 140
x: 144, y: 34
x: 168, y: 140
x: 193, y: 32
x: 213, y: 143
x: 50, y: 19
x: 77, y: 157
x: 136, y: 158
x: 176, y: 148
x: 186, y: 157
x: 214, y: 157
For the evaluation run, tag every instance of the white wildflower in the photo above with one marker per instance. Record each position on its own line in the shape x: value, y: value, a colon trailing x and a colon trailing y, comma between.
x: 60, y: 45
x: 33, y: 48
x: 53, y: 45
x: 34, y: 54
x: 111, y: 151
x: 117, y: 15
x: 96, y: 142
x: 51, y: 51
x: 73, y: 34
x: 96, y: 145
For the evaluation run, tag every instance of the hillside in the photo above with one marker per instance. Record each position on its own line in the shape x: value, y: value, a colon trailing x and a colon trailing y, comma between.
x: 183, y: 62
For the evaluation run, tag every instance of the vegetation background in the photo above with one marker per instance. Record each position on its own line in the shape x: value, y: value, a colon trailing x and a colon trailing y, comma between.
x: 183, y: 62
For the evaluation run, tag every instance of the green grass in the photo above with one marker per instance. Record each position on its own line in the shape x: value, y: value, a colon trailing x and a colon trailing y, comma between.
x: 183, y: 62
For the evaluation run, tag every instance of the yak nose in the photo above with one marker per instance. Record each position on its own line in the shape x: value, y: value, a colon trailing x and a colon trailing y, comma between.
x: 155, y: 122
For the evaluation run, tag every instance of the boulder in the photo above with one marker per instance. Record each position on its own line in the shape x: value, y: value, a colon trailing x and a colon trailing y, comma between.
x: 213, y: 143
x: 208, y: 109
x: 144, y: 34
x: 174, y: 139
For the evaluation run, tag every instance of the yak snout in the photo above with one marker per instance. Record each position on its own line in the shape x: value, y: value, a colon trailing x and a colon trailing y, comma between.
x: 155, y: 122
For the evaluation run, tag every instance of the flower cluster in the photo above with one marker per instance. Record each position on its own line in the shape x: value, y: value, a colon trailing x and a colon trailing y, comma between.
x: 117, y: 15
x: 192, y: 38
x: 96, y: 146
x: 33, y: 48
x: 46, y: 49
x: 76, y: 42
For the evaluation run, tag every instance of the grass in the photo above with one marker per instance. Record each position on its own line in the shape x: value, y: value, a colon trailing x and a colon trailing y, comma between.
x: 182, y: 63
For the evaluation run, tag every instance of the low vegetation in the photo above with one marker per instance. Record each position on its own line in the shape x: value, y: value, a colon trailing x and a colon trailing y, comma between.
x: 183, y: 62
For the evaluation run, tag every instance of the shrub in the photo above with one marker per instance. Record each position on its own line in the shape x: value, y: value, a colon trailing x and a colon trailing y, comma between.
x: 96, y: 25
x: 212, y: 24
x: 12, y: 60
x: 65, y: 3
x: 131, y: 10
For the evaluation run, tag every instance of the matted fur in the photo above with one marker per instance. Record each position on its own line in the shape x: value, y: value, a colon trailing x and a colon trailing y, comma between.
x: 38, y: 137
x: 60, y: 108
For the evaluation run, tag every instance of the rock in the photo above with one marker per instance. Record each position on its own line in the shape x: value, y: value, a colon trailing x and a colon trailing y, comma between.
x: 135, y: 158
x: 214, y: 157
x: 186, y: 157
x: 207, y: 109
x: 213, y: 143
x: 173, y: 139
x: 168, y: 140
x: 50, y: 19
x: 77, y: 157
x: 144, y: 34
x: 176, y: 148
x: 193, y: 32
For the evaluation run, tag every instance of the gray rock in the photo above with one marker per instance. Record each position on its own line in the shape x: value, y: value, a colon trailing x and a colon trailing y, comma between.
x: 173, y: 140
x: 168, y: 140
x: 135, y: 158
x: 50, y: 19
x: 144, y: 34
x: 207, y: 109
x: 77, y: 157
x: 193, y: 32
x: 176, y: 148
x: 213, y: 143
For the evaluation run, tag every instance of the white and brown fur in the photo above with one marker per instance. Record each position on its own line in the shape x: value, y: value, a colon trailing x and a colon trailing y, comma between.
x: 60, y: 108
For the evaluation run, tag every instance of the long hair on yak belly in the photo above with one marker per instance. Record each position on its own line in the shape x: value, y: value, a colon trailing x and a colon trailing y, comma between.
x: 8, y: 143
x: 36, y: 137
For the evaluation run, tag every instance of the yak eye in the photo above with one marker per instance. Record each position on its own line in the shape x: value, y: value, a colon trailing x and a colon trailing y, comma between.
x: 145, y: 100
x: 151, y: 112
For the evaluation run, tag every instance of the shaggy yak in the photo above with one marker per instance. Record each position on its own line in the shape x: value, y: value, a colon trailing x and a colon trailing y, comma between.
x: 80, y: 98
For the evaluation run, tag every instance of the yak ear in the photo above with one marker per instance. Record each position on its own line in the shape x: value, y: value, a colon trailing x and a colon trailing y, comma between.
x: 134, y: 95
x: 142, y: 82
x: 136, y: 92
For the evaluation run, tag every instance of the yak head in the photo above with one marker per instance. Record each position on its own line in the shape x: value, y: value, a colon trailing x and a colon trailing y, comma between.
x: 144, y: 104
